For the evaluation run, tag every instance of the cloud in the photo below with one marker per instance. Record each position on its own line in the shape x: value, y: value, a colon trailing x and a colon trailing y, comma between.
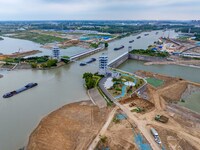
x: 98, y: 9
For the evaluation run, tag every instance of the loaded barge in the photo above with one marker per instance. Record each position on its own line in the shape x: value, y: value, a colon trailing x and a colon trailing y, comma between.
x: 131, y: 41
x: 91, y: 60
x: 26, y: 87
x: 138, y: 37
x: 118, y: 48
x: 88, y: 62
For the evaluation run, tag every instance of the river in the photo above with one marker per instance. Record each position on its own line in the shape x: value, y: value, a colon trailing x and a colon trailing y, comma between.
x: 21, y: 114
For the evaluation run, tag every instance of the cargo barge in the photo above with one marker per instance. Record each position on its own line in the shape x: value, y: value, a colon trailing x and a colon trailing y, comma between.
x: 131, y: 41
x: 83, y: 64
x: 88, y: 62
x: 91, y: 60
x: 118, y: 48
x: 26, y: 87
x: 138, y: 37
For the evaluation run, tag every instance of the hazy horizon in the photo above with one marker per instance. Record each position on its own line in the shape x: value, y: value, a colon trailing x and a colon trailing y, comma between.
x: 36, y: 10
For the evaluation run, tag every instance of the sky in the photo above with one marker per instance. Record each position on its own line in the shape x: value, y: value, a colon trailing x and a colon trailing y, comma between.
x: 99, y: 9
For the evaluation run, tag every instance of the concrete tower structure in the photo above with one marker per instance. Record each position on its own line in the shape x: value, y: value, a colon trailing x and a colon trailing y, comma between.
x: 56, y: 52
x: 103, y: 64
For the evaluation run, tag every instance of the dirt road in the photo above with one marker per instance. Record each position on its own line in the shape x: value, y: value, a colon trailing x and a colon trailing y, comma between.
x: 141, y: 125
x: 103, y: 130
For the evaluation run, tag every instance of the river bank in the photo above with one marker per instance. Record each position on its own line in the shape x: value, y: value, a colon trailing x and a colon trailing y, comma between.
x: 72, y: 126
x: 190, y: 63
x: 19, y: 54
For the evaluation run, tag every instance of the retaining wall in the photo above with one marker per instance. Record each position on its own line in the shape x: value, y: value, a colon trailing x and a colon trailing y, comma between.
x: 121, y: 59
x: 118, y: 61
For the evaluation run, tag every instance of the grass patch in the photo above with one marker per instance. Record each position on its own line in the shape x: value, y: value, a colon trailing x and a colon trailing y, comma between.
x: 149, y: 52
x: 155, y: 82
x: 38, y: 38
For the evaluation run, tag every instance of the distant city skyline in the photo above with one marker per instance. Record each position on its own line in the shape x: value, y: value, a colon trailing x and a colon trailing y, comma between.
x: 99, y: 10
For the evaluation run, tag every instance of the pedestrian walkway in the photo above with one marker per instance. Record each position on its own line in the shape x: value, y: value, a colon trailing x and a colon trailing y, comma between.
x: 97, y: 98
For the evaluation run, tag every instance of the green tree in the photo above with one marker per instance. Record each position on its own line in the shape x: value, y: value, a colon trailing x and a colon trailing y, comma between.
x: 33, y: 65
x: 106, y: 45
x: 94, y: 45
x: 51, y: 63
x: 90, y: 83
x: 87, y: 75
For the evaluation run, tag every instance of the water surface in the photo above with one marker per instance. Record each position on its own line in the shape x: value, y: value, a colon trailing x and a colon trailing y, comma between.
x: 188, y: 73
x: 192, y: 102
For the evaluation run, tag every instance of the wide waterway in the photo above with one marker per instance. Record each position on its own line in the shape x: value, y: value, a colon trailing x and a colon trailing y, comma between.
x: 188, y: 73
x: 11, y: 45
x: 20, y: 114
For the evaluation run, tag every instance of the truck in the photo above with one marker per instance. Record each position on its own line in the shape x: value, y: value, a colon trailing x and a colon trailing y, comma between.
x: 155, y: 135
x: 161, y: 118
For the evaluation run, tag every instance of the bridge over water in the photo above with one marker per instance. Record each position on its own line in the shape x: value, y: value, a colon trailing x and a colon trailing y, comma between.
x: 84, y: 54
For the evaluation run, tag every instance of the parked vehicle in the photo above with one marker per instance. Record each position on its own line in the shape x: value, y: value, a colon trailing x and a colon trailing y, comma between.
x: 155, y: 135
x: 161, y: 118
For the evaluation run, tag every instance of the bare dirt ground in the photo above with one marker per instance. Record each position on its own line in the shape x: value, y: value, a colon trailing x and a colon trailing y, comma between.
x: 182, y: 131
x: 138, y: 102
x: 172, y: 141
x: 73, y: 126
x: 119, y: 136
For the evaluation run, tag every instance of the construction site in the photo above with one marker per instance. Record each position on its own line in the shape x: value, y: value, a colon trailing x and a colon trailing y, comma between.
x: 151, y: 120
x: 181, y: 128
x: 175, y: 127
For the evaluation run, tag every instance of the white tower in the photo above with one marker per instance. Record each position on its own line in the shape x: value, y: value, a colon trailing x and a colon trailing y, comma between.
x: 56, y: 52
x: 103, y: 64
x: 189, y: 31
